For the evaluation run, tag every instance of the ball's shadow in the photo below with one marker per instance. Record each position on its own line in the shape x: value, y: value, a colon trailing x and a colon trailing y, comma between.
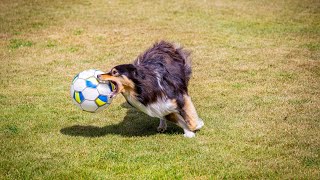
x: 135, y: 123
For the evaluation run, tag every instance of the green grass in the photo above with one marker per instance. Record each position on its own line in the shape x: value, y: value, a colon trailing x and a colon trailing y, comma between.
x: 17, y: 43
x: 256, y: 84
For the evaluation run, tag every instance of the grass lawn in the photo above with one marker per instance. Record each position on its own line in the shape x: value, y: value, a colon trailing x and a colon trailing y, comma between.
x: 255, y: 83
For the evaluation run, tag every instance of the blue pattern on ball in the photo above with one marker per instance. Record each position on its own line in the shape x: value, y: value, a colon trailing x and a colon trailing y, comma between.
x: 91, y: 84
x: 103, y: 98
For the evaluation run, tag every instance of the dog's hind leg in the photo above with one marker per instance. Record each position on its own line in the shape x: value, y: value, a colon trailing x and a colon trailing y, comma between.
x: 190, y: 115
x: 162, y: 126
x: 178, y: 120
x: 200, y: 124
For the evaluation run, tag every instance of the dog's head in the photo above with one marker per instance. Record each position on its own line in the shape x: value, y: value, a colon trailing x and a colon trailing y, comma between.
x: 122, y: 76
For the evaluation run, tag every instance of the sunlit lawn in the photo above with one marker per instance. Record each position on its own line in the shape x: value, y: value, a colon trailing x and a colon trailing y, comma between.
x: 256, y: 84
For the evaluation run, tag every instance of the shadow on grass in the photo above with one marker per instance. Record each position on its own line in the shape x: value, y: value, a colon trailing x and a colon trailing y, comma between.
x: 135, y: 123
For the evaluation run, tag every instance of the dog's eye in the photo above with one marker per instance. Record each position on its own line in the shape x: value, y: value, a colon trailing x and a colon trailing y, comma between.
x: 114, y: 72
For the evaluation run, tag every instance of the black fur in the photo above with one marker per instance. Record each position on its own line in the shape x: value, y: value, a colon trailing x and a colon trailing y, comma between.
x: 165, y: 64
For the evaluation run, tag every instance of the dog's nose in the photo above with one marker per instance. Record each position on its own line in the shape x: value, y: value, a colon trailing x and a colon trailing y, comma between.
x: 99, y: 76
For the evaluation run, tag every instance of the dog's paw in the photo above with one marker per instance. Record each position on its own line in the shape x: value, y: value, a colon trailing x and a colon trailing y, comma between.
x: 162, y: 126
x: 200, y: 124
x: 189, y: 134
x: 161, y: 129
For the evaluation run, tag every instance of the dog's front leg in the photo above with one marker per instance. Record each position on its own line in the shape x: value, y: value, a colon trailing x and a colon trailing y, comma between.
x: 162, y: 126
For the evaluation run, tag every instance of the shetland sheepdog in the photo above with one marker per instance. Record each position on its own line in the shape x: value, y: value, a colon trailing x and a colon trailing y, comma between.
x: 156, y: 83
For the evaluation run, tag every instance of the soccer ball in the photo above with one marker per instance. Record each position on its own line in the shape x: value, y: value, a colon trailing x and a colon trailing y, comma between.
x: 88, y: 93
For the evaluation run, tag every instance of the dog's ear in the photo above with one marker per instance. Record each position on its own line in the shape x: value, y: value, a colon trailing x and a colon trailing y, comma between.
x: 134, y: 72
x: 138, y: 74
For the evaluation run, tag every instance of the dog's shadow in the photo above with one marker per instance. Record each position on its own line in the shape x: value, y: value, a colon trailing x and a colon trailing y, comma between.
x: 135, y: 123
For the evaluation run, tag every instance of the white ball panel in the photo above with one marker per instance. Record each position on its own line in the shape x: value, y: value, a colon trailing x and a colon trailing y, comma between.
x: 86, y: 74
x: 104, y: 89
x: 90, y: 94
x: 88, y: 105
x: 79, y: 84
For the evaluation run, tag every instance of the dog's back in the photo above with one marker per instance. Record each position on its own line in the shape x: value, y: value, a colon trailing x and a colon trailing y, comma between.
x: 168, y: 60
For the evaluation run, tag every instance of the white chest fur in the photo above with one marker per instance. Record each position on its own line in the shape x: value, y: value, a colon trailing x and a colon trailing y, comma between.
x: 159, y: 109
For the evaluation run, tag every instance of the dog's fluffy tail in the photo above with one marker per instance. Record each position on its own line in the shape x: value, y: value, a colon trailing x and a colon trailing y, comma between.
x: 169, y: 52
x: 185, y: 56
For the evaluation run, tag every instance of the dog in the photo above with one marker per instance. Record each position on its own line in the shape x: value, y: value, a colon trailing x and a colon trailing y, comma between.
x: 156, y: 83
